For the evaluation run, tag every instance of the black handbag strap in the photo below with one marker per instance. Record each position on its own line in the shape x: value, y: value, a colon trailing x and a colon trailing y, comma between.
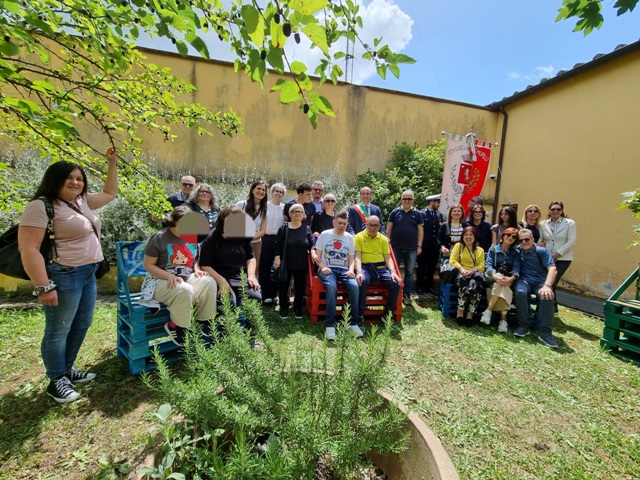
x: 284, y: 243
x: 48, y: 206
x: 74, y: 207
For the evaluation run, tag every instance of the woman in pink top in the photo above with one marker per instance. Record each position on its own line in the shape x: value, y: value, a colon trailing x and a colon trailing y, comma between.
x: 65, y: 284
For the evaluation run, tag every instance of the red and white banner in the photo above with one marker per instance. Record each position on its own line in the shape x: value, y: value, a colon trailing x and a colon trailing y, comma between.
x: 465, y: 170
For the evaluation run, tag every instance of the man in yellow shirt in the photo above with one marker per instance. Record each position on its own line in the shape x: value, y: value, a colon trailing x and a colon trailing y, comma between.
x: 373, y: 264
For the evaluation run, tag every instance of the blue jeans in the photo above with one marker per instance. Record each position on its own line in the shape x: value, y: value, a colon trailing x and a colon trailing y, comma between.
x: 66, y: 325
x: 330, y: 283
x: 408, y: 257
x: 545, y: 308
x: 378, y: 273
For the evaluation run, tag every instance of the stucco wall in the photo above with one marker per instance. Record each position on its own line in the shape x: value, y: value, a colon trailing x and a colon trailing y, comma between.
x: 279, y: 141
x: 576, y: 142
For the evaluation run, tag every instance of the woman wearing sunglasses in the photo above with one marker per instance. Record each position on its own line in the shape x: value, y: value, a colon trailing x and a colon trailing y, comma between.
x: 503, y: 265
x: 324, y: 220
x: 531, y: 221
x: 558, y: 234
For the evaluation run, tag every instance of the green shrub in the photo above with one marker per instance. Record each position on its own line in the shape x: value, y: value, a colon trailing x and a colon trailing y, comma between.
x: 410, y: 168
x: 258, y: 415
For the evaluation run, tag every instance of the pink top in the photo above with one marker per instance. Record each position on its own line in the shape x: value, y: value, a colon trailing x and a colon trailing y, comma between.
x: 76, y: 243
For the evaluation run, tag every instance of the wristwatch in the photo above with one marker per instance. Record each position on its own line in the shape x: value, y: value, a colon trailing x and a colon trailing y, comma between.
x: 43, y: 289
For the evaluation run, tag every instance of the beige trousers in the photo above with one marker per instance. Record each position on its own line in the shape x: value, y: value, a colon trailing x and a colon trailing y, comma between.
x: 200, y: 292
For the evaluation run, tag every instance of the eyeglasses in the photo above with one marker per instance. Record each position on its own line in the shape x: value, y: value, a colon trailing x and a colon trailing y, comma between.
x: 478, y: 211
x: 556, y: 209
x: 533, y: 211
x: 204, y: 192
x: 297, y: 211
x: 373, y: 225
x: 279, y: 191
x: 329, y: 200
x: 188, y: 184
x: 407, y: 199
x: 318, y: 189
x: 525, y: 240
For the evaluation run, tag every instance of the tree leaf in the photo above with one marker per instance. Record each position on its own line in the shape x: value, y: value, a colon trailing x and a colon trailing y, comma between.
x: 298, y: 67
x: 290, y: 92
x: 307, y: 7
x: 275, y: 57
x: 317, y: 35
x: 197, y: 43
x: 254, y: 23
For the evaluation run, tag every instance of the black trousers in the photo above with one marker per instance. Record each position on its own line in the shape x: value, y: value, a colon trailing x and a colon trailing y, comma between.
x: 269, y: 289
x: 427, y: 263
x: 299, y: 283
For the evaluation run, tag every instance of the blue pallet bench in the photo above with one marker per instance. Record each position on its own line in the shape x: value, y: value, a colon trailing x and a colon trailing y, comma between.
x: 139, y: 328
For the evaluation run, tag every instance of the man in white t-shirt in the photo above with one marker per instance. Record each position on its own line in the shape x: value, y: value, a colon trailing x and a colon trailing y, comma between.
x: 334, y: 254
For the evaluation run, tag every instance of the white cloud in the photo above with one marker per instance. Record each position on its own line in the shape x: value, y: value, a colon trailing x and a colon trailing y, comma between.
x: 537, y: 74
x: 381, y: 18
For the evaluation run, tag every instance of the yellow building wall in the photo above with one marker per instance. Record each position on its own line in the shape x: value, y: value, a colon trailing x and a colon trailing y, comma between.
x: 279, y: 141
x: 577, y: 142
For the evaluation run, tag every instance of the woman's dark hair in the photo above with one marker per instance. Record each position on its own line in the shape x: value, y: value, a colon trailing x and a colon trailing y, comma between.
x: 481, y: 208
x: 174, y: 216
x: 475, y: 236
x: 224, y: 213
x: 561, y: 205
x: 250, y: 204
x: 456, y: 205
x: 54, y: 178
x: 513, y: 219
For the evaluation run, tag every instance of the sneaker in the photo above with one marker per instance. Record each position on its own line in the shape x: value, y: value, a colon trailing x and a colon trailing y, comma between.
x: 297, y: 312
x: 356, y: 329
x: 406, y: 299
x: 486, y: 317
x: 503, y: 327
x: 61, y: 390
x: 331, y: 333
x: 77, y: 376
x: 521, y: 332
x: 267, y: 301
x: 205, y: 328
x: 176, y: 334
x: 284, y: 313
x: 548, y: 340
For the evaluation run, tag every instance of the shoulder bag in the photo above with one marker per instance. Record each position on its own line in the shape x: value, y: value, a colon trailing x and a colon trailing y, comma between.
x: 10, y: 260
x: 279, y: 275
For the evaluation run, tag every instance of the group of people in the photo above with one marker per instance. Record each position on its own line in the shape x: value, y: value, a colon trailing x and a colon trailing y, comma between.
x: 521, y: 258
x: 353, y: 247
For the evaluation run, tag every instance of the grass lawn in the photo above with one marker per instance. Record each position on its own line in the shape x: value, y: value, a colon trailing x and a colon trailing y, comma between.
x: 503, y: 408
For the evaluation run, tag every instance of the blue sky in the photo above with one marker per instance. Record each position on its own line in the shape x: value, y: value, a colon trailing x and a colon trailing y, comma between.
x: 479, y: 52
x: 470, y: 51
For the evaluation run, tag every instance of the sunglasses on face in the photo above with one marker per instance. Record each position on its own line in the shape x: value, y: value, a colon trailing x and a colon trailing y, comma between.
x: 318, y: 189
x: 329, y: 201
x: 407, y: 199
x: 375, y: 225
x: 512, y: 235
x: 533, y: 211
x: 555, y: 209
x: 478, y: 211
x: 525, y: 240
x: 188, y: 184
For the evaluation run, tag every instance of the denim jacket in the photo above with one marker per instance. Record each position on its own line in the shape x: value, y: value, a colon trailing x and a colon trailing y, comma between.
x: 496, y: 257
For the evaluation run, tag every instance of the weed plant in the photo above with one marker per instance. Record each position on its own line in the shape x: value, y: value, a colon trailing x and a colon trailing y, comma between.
x: 249, y: 409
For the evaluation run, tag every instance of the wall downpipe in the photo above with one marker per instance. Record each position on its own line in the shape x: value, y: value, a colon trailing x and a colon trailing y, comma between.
x: 503, y: 139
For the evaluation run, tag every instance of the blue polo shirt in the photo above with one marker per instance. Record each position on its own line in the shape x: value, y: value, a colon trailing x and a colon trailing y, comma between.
x: 404, y: 235
x: 534, y: 264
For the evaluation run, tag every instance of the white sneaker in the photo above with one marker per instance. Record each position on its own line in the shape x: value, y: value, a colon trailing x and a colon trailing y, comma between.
x: 331, y: 333
x: 503, y: 328
x: 356, y: 329
x: 486, y: 317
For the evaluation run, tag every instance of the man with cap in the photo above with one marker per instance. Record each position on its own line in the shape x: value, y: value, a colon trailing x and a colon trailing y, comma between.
x: 428, y: 258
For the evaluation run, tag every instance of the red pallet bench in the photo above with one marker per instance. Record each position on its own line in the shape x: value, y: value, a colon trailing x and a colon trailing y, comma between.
x: 374, y: 307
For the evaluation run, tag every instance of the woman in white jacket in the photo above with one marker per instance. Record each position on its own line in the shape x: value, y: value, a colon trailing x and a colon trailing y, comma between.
x: 558, y: 234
